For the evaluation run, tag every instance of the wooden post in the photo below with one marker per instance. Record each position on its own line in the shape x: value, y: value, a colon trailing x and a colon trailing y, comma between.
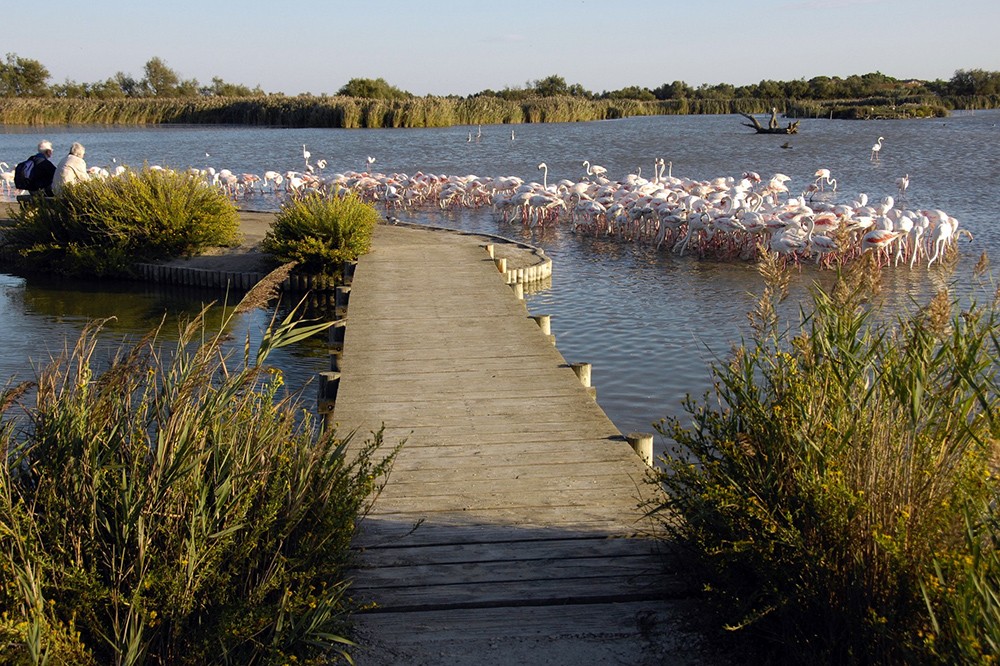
x: 348, y: 268
x: 490, y: 250
x: 336, y: 337
x: 642, y: 444
x: 336, y: 360
x: 544, y: 322
x: 329, y: 383
x: 342, y: 297
x: 582, y: 371
x: 518, y: 288
x: 501, y: 263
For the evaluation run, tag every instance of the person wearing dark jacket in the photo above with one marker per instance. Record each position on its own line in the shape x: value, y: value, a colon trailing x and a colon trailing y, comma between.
x: 44, y: 170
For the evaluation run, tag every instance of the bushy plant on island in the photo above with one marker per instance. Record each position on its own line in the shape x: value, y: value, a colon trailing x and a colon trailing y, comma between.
x: 101, y: 227
x: 319, y: 233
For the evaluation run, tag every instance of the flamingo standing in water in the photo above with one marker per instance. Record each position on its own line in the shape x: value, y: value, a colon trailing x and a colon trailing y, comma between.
x: 594, y: 170
x: 823, y: 176
x: 876, y: 149
x: 545, y: 175
x: 902, y: 184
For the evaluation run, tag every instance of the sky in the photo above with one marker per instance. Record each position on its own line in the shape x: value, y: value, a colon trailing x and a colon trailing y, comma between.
x: 456, y: 47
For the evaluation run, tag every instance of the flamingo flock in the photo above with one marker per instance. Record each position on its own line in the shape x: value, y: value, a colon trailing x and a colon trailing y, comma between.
x: 726, y: 218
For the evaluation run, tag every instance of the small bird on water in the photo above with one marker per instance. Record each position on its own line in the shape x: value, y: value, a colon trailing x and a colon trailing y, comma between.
x: 786, y: 145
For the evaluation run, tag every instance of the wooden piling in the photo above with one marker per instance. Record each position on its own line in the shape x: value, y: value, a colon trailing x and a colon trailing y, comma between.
x: 329, y: 383
x: 642, y: 444
x: 582, y: 371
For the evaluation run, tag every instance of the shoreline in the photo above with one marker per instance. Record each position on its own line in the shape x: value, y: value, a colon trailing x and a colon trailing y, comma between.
x: 244, y: 265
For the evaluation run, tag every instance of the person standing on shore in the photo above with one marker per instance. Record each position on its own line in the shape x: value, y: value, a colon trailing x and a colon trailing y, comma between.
x: 72, y: 169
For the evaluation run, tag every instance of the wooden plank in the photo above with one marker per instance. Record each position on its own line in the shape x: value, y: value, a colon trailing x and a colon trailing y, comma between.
x: 523, y: 550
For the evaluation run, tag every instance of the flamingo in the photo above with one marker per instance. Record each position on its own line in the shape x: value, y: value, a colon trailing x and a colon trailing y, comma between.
x: 306, y: 155
x: 823, y: 176
x: 902, y: 184
x: 7, y: 177
x: 876, y: 149
x: 371, y: 161
x: 545, y: 175
x: 941, y: 236
x: 879, y: 240
x: 594, y: 170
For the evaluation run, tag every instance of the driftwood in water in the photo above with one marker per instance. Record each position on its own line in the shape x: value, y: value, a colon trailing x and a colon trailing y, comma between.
x: 792, y: 128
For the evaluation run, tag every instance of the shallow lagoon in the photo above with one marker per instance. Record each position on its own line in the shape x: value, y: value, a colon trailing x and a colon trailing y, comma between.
x: 650, y: 322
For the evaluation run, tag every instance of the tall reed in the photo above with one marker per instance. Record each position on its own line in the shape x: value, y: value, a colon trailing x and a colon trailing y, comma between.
x: 836, y: 471
x: 175, y: 505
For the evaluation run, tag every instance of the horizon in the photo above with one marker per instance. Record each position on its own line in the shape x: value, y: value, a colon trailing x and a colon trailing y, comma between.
x: 600, y: 46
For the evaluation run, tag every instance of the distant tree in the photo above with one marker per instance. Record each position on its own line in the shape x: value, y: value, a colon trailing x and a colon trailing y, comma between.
x: 23, y: 77
x: 187, y: 88
x: 161, y: 81
x: 768, y: 89
x: 70, y: 90
x: 797, y: 89
x: 631, y: 92
x: 372, y: 89
x: 550, y: 86
x: 220, y: 88
x: 822, y: 87
x: 675, y: 90
x: 129, y: 86
x: 718, y: 91
x: 975, y: 82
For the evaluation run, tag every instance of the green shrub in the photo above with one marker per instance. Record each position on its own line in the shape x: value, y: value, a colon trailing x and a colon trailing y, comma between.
x: 175, y: 507
x: 320, y: 233
x: 829, y: 485
x: 102, y: 226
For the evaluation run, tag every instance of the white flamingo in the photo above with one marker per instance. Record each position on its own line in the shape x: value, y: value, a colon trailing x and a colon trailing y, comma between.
x: 594, y: 170
x: 823, y: 176
x: 902, y: 184
x: 545, y: 175
x: 6, y: 177
x: 877, y: 149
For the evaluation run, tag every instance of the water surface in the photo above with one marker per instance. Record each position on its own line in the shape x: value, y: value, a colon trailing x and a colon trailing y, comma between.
x: 650, y: 322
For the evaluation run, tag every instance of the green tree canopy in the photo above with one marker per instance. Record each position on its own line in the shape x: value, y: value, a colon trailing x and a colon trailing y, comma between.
x: 23, y: 77
x: 372, y: 89
x: 161, y: 81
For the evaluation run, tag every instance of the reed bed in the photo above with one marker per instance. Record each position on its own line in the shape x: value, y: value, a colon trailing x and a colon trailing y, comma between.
x: 355, y: 113
x: 172, y: 504
x: 837, y: 492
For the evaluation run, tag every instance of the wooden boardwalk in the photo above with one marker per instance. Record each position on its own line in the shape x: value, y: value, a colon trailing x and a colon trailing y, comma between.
x: 509, y: 531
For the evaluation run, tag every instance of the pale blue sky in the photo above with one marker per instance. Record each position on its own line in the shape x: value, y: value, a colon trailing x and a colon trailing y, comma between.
x: 443, y: 47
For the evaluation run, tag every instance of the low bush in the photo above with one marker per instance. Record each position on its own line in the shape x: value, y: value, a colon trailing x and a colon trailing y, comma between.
x: 836, y: 488
x: 173, y: 506
x: 101, y: 227
x: 319, y: 233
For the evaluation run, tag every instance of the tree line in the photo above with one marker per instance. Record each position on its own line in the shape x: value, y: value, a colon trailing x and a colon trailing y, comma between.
x: 24, y: 77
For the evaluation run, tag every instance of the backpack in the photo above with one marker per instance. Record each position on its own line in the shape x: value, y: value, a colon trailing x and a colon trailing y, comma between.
x: 22, y: 174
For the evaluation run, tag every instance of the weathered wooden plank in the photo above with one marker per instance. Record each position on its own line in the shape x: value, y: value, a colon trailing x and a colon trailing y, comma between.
x: 484, y: 593
x: 522, y: 550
